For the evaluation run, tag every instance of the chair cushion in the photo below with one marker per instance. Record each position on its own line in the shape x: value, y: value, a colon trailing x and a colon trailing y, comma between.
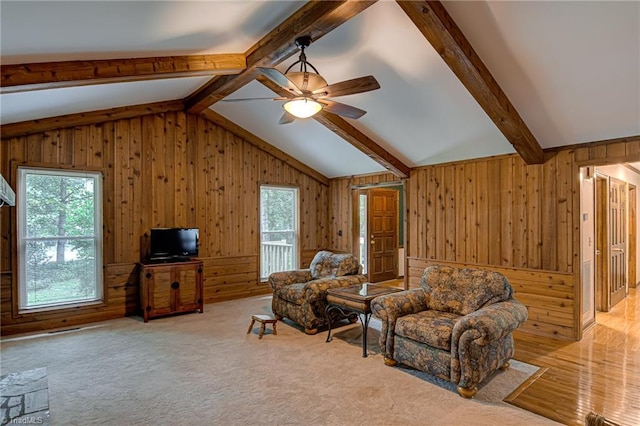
x: 326, y: 264
x: 292, y: 293
x: 433, y: 328
x: 462, y: 291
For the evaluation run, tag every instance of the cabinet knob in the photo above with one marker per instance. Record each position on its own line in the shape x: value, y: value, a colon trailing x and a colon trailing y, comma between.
x: 175, y: 285
x: 148, y: 308
x: 148, y: 275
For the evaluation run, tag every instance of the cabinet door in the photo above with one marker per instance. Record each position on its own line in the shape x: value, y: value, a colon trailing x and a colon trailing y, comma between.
x: 188, y: 293
x: 160, y: 290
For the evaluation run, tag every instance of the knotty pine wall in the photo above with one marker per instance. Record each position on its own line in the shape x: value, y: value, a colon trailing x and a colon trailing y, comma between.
x: 164, y: 170
x: 501, y: 214
x: 496, y: 211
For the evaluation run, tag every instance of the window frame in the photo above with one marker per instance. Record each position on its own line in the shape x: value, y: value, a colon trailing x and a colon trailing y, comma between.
x: 19, y: 287
x: 297, y: 211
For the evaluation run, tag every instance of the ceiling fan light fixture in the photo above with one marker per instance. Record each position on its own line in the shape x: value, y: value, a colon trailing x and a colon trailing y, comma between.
x: 302, y: 107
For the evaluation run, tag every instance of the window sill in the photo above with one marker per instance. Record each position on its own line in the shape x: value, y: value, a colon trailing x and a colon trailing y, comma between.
x: 71, y: 307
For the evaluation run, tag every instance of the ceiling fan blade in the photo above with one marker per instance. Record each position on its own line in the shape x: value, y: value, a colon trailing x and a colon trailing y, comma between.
x: 342, y: 109
x: 250, y: 99
x: 349, y: 87
x: 286, y: 118
x: 280, y: 79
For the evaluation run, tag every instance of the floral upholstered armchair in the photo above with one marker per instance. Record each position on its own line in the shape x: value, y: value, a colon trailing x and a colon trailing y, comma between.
x: 301, y: 295
x: 457, y: 326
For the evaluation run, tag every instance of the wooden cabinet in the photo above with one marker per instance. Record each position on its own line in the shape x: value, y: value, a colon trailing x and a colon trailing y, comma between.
x: 170, y: 288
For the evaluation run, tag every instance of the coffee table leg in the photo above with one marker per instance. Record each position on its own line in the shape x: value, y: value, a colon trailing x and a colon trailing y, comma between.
x: 365, y: 327
x: 326, y: 312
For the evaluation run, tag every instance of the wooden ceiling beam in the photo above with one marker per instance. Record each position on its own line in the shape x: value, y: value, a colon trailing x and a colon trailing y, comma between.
x: 223, y: 122
x: 53, y: 75
x: 437, y: 26
x: 355, y: 137
x: 24, y: 128
x: 315, y: 18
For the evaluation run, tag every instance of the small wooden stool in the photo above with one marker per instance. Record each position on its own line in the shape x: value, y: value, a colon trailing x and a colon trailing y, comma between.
x: 263, y: 319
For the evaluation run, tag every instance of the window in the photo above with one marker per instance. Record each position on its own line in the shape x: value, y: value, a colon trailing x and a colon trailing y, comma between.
x: 278, y: 229
x: 59, y: 237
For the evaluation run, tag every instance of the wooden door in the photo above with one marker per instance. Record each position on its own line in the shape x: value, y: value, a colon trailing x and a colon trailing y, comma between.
x: 602, y: 244
x: 383, y: 230
x: 187, y: 293
x: 618, y: 238
x: 160, y: 293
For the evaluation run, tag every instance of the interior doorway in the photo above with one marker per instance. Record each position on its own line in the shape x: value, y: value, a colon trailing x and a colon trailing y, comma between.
x: 609, y: 238
x: 378, y: 231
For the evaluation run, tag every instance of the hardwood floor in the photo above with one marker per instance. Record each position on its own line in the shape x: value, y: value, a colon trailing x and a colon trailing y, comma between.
x: 601, y: 373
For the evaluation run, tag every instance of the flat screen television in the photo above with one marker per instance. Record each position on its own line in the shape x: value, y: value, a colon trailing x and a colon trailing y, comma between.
x: 173, y: 244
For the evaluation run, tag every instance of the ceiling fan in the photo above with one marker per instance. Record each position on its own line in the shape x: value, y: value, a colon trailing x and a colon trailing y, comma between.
x: 310, y: 90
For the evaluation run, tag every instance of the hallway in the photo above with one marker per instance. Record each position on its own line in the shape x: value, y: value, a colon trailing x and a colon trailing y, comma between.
x: 600, y: 373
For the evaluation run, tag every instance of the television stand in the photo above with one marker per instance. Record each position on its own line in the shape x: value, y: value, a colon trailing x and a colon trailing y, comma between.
x: 172, y: 259
x: 170, y: 288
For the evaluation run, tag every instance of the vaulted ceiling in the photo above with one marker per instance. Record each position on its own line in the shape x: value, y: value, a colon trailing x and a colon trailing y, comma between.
x: 458, y: 79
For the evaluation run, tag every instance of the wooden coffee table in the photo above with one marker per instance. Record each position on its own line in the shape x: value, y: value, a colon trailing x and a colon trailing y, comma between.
x: 355, y: 300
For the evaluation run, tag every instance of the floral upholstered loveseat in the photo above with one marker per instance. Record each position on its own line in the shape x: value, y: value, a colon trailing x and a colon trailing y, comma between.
x: 457, y: 326
x: 301, y: 295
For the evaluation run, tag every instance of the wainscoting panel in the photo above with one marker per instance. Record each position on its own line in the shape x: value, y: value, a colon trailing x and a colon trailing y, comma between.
x: 548, y: 295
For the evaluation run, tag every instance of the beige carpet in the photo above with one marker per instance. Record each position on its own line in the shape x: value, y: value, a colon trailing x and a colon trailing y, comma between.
x: 205, y: 369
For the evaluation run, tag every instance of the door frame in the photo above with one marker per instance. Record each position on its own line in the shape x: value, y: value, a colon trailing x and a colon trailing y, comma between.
x: 632, y: 230
x: 588, y: 250
x: 356, y: 190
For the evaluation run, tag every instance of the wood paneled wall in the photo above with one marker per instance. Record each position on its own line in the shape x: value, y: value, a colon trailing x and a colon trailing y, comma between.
x: 496, y: 211
x: 164, y: 170
x: 499, y: 213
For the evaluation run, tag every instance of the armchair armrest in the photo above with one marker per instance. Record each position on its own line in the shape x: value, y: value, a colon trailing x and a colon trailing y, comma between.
x: 390, y: 307
x: 316, y: 289
x: 279, y: 279
x: 488, y: 324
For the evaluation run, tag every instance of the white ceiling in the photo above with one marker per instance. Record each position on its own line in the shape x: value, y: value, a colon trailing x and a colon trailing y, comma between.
x: 44, y: 31
x: 572, y: 70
